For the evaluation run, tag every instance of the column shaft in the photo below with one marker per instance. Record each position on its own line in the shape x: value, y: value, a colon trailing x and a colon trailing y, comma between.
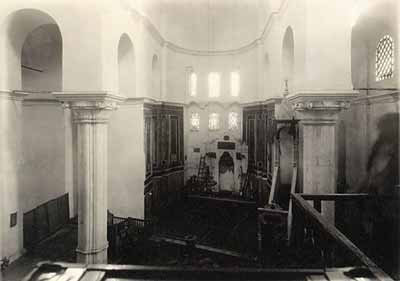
x: 92, y: 186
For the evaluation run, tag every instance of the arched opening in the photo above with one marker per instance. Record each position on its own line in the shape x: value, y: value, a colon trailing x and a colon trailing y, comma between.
x: 371, y: 130
x: 33, y: 52
x: 41, y: 60
x: 126, y: 67
x: 226, y: 172
x: 156, y: 78
x: 373, y: 26
x: 32, y: 57
x: 288, y: 61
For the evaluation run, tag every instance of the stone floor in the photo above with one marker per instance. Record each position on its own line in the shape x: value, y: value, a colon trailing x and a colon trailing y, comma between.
x: 59, y: 247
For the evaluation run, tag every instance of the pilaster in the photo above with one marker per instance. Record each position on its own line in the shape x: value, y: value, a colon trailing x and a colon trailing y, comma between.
x: 90, y: 114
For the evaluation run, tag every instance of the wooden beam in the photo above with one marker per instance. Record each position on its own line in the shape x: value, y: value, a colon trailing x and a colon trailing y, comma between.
x: 337, y: 236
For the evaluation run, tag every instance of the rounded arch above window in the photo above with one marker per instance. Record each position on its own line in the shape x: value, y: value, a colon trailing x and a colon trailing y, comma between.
x: 288, y: 59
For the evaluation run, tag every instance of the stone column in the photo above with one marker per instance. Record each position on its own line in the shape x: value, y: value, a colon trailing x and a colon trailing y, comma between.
x: 90, y: 113
x: 318, y: 114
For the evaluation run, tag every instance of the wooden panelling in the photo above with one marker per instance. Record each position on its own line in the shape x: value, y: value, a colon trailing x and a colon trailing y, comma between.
x: 164, y: 157
x: 45, y: 219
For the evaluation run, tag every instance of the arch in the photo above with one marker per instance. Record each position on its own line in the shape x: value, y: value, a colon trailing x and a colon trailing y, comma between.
x: 126, y: 67
x: 374, y: 22
x: 27, y: 33
x: 288, y: 60
x: 155, y: 77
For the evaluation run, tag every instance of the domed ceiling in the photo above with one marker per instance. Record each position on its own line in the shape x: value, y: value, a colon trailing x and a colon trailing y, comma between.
x: 210, y: 25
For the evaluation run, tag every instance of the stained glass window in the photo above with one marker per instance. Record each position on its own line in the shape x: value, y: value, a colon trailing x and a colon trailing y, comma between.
x: 214, y: 84
x: 193, y: 84
x: 195, y: 121
x: 213, y: 121
x: 233, y: 121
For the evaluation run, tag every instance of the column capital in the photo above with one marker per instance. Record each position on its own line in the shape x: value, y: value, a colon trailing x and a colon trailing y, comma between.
x: 90, y: 107
x: 321, y: 104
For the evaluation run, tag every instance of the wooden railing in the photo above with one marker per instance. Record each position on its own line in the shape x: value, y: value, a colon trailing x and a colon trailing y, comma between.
x: 314, y: 236
x: 123, y: 233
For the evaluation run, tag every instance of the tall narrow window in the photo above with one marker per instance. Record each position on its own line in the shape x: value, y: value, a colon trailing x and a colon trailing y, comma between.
x: 235, y: 84
x: 214, y: 86
x: 193, y: 84
x: 384, y: 62
x: 213, y: 122
x: 195, y: 121
x: 233, y: 121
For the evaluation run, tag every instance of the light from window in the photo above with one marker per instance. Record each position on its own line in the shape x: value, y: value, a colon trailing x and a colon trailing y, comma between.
x: 195, y: 121
x: 213, y: 121
x: 193, y: 84
x: 235, y: 84
x: 233, y: 121
x: 384, y: 64
x: 214, y: 85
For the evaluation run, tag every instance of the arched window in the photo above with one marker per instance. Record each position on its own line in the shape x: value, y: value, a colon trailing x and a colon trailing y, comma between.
x: 384, y: 62
x: 195, y: 121
x: 233, y: 121
x: 235, y: 84
x: 193, y: 84
x: 213, y: 122
x: 214, y: 84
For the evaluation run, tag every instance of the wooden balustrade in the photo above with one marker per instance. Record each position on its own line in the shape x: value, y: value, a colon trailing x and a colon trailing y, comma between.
x: 123, y: 233
x: 315, y: 236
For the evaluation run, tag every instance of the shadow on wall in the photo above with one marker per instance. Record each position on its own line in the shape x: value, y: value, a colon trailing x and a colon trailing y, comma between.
x: 383, y: 161
x: 378, y: 220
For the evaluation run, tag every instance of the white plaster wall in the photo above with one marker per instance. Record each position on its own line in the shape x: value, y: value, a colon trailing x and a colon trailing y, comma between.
x: 360, y: 121
x: 198, y: 25
x: 81, y: 69
x: 42, y: 50
x: 245, y: 63
x: 199, y: 139
x: 126, y: 171
x: 10, y: 170
x: 43, y: 152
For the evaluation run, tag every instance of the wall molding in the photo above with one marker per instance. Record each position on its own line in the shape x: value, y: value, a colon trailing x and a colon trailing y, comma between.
x: 12, y: 95
x: 388, y: 97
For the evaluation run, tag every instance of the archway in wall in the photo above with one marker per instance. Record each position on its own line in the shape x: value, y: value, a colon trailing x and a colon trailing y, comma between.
x: 32, y: 37
x: 32, y: 50
x: 288, y: 61
x: 371, y: 130
x: 126, y: 67
x: 156, y: 78
x: 226, y: 172
x: 41, y: 59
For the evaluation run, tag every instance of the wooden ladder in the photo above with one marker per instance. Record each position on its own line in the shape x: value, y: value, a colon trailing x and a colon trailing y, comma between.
x: 202, y: 172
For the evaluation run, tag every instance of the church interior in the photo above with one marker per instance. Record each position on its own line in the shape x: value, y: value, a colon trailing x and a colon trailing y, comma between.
x: 199, y: 140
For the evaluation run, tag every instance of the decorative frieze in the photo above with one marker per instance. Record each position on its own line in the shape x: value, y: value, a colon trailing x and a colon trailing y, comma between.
x: 321, y: 100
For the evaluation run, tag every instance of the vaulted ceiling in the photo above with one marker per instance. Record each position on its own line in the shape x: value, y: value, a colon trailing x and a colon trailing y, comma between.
x: 209, y: 24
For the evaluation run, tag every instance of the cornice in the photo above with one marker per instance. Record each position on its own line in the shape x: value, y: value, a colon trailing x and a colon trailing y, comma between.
x: 146, y: 100
x: 90, y: 107
x: 321, y: 100
x: 12, y: 95
x: 388, y: 97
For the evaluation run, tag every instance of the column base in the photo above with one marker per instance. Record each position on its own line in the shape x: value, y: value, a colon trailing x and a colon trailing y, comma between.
x: 92, y: 257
